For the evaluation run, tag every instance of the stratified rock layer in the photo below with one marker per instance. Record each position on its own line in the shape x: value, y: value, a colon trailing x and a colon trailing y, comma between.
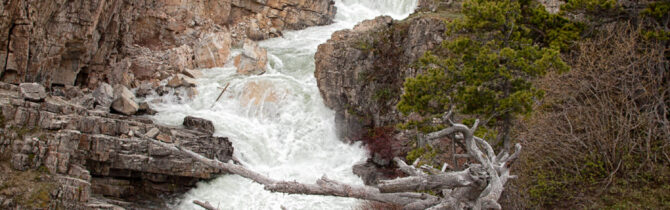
x: 92, y: 153
x: 84, y: 42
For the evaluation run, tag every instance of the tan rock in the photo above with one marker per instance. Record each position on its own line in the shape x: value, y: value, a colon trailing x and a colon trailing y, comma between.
x: 180, y: 80
x: 174, y: 82
x: 152, y: 133
x: 122, y: 91
x: 125, y: 105
x: 213, y: 50
x: 253, y: 59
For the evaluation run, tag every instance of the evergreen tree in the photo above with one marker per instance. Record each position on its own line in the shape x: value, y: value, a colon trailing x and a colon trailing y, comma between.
x: 487, y: 66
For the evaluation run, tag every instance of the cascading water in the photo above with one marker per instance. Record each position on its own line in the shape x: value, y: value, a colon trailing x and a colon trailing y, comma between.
x: 277, y: 121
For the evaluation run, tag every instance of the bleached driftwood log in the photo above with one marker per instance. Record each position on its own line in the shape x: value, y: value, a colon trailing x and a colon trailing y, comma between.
x: 478, y: 187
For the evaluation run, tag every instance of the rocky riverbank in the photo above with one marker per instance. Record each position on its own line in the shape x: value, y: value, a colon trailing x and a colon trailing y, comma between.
x: 87, y: 158
x: 75, y: 126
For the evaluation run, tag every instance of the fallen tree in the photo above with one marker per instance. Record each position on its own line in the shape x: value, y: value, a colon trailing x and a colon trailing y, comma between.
x: 479, y: 186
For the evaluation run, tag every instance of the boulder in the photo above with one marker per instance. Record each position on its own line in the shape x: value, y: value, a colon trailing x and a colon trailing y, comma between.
x: 104, y: 95
x: 125, y: 106
x: 253, y: 59
x: 32, y: 91
x: 199, y: 124
x: 122, y: 91
x: 180, y: 80
x: 152, y: 133
x: 213, y: 50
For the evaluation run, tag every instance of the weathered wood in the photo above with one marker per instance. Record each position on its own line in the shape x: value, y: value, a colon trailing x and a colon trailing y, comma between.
x: 204, y: 205
x: 221, y: 94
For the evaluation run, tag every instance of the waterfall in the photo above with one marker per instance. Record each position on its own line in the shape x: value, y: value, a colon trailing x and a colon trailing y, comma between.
x: 277, y: 121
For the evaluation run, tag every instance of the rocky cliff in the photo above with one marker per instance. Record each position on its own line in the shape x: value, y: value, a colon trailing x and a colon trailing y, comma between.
x: 360, y: 72
x: 84, y: 42
x: 83, y: 157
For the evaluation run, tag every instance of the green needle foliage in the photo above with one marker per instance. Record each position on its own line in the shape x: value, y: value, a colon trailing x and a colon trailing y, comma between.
x: 486, y: 69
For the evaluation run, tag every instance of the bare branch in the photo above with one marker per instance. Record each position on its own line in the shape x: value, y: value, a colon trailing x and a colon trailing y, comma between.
x: 409, y: 170
x: 204, y: 205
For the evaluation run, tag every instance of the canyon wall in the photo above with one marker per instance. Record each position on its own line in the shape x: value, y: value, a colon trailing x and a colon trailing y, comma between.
x: 360, y: 72
x: 85, y: 42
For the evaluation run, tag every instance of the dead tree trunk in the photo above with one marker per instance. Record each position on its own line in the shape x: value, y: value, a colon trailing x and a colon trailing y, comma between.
x: 478, y: 187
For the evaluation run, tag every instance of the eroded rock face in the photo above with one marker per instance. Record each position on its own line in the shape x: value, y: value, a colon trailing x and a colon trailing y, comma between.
x: 85, y: 42
x: 89, y: 153
x: 360, y: 72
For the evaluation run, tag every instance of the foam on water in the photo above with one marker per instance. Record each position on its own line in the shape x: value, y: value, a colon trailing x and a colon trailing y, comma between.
x: 277, y: 121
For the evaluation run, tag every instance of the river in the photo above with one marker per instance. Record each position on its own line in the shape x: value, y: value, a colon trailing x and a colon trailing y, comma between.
x: 277, y: 121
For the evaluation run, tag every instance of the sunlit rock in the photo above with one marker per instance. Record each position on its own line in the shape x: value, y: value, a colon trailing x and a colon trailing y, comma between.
x: 213, y: 50
x: 253, y: 59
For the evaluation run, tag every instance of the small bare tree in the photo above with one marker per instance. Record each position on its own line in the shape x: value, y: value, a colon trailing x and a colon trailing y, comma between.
x: 479, y: 186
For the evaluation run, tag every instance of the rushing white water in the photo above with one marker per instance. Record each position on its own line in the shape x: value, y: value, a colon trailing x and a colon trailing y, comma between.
x: 277, y: 121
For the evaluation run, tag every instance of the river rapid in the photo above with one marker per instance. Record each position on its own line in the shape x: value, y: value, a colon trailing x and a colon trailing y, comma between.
x: 277, y: 121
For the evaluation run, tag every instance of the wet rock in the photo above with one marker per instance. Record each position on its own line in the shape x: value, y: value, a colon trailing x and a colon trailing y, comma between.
x: 104, y: 95
x: 253, y: 59
x: 199, y: 124
x: 162, y: 90
x: 32, y: 91
x: 260, y: 92
x: 192, y: 92
x: 180, y: 80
